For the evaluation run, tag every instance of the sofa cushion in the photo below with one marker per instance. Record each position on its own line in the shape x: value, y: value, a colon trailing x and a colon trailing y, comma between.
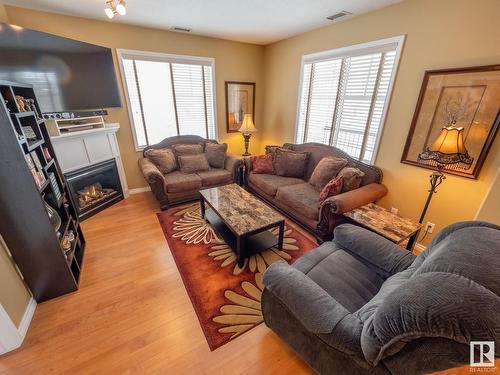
x: 193, y: 163
x: 290, y: 163
x: 262, y: 164
x: 269, y: 183
x: 216, y: 154
x: 326, y: 169
x: 302, y: 198
x: 178, y: 182
x: 215, y: 176
x: 352, y: 178
x: 187, y: 149
x: 163, y: 158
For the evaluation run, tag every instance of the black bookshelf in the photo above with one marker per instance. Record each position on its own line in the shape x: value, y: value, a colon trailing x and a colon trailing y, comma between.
x: 31, y: 179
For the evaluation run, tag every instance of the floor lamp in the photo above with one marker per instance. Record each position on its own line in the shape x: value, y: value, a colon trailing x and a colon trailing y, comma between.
x: 447, y: 152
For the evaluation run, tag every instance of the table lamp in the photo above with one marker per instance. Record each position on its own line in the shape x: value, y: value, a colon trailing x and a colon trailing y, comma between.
x: 446, y: 152
x: 247, y: 128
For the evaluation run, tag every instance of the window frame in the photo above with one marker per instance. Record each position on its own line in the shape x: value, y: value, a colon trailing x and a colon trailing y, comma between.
x: 381, y: 45
x: 167, y: 58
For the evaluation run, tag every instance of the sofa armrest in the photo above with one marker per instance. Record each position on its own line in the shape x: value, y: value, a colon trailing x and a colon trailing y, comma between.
x: 318, y: 312
x: 150, y: 171
x: 381, y: 254
x: 232, y: 164
x: 350, y: 200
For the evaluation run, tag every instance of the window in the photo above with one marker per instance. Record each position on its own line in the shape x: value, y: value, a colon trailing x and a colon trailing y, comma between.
x: 168, y: 95
x: 344, y: 95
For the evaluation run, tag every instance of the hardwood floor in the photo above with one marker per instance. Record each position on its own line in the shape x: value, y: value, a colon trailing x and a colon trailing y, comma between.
x: 133, y: 315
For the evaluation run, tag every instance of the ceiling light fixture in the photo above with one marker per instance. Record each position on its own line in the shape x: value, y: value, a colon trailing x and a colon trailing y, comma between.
x: 115, y: 7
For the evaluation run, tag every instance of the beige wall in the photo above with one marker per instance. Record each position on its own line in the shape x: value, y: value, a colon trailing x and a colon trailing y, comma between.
x: 14, y: 296
x: 233, y: 62
x: 439, y: 34
x: 490, y: 208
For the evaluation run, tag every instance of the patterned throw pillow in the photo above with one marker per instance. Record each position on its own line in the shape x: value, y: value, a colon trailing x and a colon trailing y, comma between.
x: 334, y: 187
x: 290, y: 163
x: 193, y: 163
x: 163, y: 158
x: 326, y: 169
x: 352, y: 178
x: 216, y: 154
x: 262, y: 164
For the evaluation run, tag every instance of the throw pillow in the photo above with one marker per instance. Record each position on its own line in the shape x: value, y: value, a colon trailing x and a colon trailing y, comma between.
x: 326, y: 169
x: 163, y: 158
x: 262, y: 164
x: 290, y: 163
x: 216, y: 154
x: 187, y: 149
x: 352, y: 178
x: 193, y: 163
x: 333, y: 187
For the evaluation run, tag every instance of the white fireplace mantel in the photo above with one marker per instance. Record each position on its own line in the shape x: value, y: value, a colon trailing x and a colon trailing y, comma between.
x: 80, y: 149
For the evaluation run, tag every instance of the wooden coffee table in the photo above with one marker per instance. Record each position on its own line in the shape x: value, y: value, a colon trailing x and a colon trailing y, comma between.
x: 242, y: 220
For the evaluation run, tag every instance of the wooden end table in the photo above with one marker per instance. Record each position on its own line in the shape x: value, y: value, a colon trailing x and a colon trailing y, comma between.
x: 381, y: 221
x: 242, y: 220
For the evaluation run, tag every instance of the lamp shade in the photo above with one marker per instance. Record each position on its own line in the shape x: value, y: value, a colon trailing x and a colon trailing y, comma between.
x: 247, y: 126
x: 448, y: 150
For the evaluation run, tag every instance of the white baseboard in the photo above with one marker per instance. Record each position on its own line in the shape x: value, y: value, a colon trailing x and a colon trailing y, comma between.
x: 11, y: 337
x: 139, y: 190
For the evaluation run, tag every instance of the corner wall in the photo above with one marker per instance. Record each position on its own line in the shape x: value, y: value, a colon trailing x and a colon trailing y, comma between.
x: 439, y: 34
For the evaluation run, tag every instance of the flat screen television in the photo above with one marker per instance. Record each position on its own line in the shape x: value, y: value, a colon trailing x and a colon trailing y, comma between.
x: 67, y: 75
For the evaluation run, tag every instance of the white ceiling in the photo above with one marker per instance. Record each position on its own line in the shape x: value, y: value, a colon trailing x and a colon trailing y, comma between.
x: 253, y: 21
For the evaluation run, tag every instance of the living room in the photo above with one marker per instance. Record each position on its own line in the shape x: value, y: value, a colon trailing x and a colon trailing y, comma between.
x: 232, y: 139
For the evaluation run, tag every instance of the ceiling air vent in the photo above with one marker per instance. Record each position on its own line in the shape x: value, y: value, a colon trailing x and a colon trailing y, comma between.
x: 338, y: 15
x: 180, y: 29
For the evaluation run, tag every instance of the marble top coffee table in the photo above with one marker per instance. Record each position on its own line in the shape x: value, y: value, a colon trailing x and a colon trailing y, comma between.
x: 242, y: 220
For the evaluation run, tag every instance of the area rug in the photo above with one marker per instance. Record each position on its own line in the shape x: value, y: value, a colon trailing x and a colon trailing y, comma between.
x: 226, y: 298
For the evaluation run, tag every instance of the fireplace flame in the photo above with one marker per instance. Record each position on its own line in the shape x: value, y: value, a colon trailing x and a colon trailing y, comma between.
x: 92, y: 194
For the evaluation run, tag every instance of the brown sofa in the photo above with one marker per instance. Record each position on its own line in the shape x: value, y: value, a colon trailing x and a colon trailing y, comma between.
x: 298, y: 199
x: 177, y: 187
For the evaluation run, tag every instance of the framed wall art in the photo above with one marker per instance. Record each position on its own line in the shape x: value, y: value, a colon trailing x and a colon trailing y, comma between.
x: 467, y: 98
x: 240, y: 100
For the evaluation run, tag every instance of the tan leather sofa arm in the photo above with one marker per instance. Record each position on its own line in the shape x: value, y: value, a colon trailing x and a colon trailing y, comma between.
x: 233, y: 164
x: 150, y: 171
x: 350, y: 200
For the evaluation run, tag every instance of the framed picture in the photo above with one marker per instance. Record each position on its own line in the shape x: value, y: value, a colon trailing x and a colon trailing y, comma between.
x: 465, y: 97
x: 240, y: 100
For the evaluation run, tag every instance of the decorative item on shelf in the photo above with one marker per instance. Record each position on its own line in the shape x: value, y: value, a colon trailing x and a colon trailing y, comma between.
x: 461, y: 98
x: 46, y: 153
x: 55, y: 187
x: 30, y: 106
x: 240, y: 100
x: 21, y: 103
x: 447, y: 152
x: 36, y: 160
x: 54, y: 217
x: 247, y: 128
x: 29, y: 133
x: 67, y: 242
x: 115, y: 7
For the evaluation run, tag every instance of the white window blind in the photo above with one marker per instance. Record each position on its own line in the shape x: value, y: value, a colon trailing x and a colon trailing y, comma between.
x: 343, y: 98
x: 169, y: 96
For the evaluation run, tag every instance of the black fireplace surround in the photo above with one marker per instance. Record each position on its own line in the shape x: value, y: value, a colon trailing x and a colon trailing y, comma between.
x: 94, y: 188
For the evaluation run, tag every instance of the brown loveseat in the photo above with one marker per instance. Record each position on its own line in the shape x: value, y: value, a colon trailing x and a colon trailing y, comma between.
x: 177, y: 187
x: 298, y: 199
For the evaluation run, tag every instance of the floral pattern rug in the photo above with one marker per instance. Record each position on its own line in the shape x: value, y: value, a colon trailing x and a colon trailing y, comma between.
x: 226, y: 298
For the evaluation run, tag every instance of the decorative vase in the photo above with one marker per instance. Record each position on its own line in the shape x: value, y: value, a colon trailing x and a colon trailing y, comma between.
x: 54, y: 217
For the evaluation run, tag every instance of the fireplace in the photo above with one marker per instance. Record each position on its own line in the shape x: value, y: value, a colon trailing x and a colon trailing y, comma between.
x: 94, y: 188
